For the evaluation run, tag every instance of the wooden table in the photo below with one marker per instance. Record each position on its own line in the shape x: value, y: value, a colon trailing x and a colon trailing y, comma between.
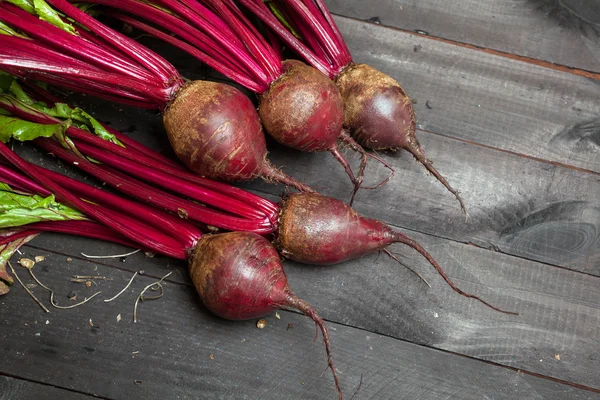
x: 507, y: 95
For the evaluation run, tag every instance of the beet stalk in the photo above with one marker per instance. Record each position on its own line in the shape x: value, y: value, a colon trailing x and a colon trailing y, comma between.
x: 298, y: 105
x: 210, y: 135
x: 377, y: 111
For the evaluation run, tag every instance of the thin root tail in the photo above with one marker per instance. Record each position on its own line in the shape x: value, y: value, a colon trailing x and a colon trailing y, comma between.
x: 312, y: 314
x: 417, y: 152
x: 401, y: 238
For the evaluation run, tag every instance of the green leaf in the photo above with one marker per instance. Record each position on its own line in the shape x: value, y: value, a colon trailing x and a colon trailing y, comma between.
x: 6, y: 81
x: 26, y: 5
x: 13, y: 127
x: 21, y: 209
x: 44, y: 12
x: 86, y: 121
x: 7, y: 30
x: 19, y: 93
x: 48, y: 14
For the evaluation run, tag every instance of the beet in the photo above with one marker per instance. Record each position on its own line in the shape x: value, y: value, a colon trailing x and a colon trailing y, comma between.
x: 303, y: 110
x: 215, y: 131
x: 380, y: 116
x: 247, y: 283
x: 319, y: 230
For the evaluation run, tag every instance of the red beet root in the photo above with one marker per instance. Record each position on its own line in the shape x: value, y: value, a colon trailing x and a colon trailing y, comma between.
x: 214, y: 130
x: 315, y: 229
x: 303, y: 110
x: 246, y: 284
x: 380, y: 116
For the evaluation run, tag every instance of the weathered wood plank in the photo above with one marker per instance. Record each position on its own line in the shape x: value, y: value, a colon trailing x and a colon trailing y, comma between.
x: 487, y: 99
x: 560, y: 309
x: 18, y: 389
x: 168, y: 352
x: 517, y: 205
x: 563, y: 32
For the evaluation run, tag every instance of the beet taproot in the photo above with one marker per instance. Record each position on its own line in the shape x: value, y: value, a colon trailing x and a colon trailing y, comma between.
x: 320, y: 230
x: 239, y: 276
x: 380, y: 116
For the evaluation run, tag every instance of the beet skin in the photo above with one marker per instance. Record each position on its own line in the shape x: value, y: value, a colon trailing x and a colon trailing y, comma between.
x: 215, y: 131
x: 302, y: 109
x: 380, y: 116
x: 320, y: 230
x: 239, y: 276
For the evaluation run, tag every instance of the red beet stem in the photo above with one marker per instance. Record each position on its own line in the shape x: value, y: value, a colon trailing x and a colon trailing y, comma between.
x: 258, y: 8
x: 214, y: 25
x: 306, y: 309
x: 341, y: 43
x: 18, y: 181
x: 401, y: 238
x: 142, y: 233
x: 151, y: 195
x: 415, y: 149
x: 172, y: 183
x: 156, y: 162
x: 320, y: 31
x: 58, y: 38
x: 183, y: 231
x: 7, y: 237
x: 90, y: 229
x: 150, y: 60
x: 229, y: 70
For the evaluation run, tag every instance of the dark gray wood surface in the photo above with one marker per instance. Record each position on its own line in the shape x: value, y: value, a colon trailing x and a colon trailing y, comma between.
x: 514, y: 137
x: 376, y: 294
x: 487, y: 99
x: 167, y: 353
x: 564, y: 32
x: 19, y: 389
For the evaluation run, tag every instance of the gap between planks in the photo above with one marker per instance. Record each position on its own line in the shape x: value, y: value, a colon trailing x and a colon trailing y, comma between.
x: 499, y: 53
x: 67, y: 389
x: 485, y: 146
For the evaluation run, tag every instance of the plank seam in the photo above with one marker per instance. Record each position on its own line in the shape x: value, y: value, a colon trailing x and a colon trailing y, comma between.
x: 528, y: 60
x: 9, y: 375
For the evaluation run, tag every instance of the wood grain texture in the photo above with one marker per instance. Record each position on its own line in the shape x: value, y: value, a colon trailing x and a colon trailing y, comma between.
x: 517, y: 205
x: 18, y: 389
x: 563, y: 32
x: 559, y: 309
x: 487, y: 99
x: 167, y: 354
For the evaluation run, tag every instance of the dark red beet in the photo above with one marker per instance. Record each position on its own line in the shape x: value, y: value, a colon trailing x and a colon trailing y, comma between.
x: 239, y: 276
x: 315, y: 229
x: 380, y: 116
x: 214, y: 130
x: 303, y: 110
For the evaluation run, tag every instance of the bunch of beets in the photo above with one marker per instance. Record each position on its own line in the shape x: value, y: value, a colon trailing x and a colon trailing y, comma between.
x: 233, y: 239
